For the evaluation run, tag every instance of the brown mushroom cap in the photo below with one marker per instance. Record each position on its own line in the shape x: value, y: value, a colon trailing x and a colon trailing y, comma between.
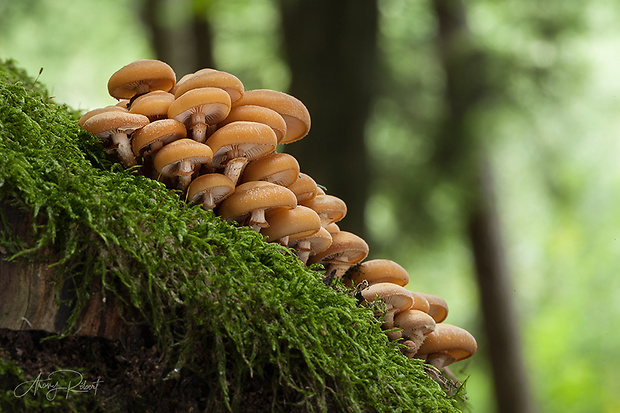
x: 333, y: 227
x: 116, y: 126
x: 156, y: 134
x: 377, y: 271
x: 438, y: 307
x: 290, y: 224
x: 345, y: 250
x: 312, y: 244
x: 261, y: 114
x: 96, y: 111
x: 279, y: 168
x: 304, y: 187
x: 292, y: 110
x: 211, y: 78
x: 154, y: 105
x: 446, y: 345
x: 330, y: 208
x: 395, y: 297
x: 198, y: 108
x: 210, y: 189
x: 139, y: 77
x: 235, y: 144
x: 250, y: 201
x: 180, y: 159
x: 416, y: 325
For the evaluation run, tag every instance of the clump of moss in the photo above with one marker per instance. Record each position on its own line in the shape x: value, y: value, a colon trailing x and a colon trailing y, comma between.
x: 223, y: 304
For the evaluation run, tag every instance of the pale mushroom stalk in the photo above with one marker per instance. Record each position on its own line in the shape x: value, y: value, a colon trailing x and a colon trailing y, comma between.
x: 185, y: 171
x: 234, y: 168
x: 340, y: 267
x: 120, y: 141
x: 199, y: 126
x: 440, y: 360
x: 208, y: 201
x: 257, y: 220
x: 303, y: 251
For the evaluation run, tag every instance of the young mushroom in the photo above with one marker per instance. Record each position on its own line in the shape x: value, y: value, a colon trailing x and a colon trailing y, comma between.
x: 93, y: 112
x: 209, y: 190
x: 140, y: 77
x: 438, y: 308
x: 415, y: 325
x: 247, y: 205
x: 154, y: 105
x: 346, y: 250
x: 287, y: 225
x: 179, y: 159
x: 377, y: 271
x: 330, y: 208
x: 235, y: 144
x: 292, y: 110
x: 311, y: 245
x: 260, y: 114
x: 446, y: 345
x: 304, y: 188
x: 200, y: 108
x: 147, y: 141
x: 279, y: 168
x: 395, y: 298
x: 115, y: 127
x: 211, y: 78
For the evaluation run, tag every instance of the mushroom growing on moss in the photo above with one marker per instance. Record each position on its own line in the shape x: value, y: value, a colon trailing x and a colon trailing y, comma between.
x: 179, y: 159
x: 346, y: 250
x: 330, y: 208
x: 209, y: 190
x: 146, y: 142
x: 288, y: 225
x: 200, y: 108
x: 140, y: 77
x: 377, y: 271
x: 235, y: 144
x: 446, y: 345
x: 415, y: 325
x: 115, y: 127
x: 292, y: 110
x: 279, y: 168
x: 247, y: 205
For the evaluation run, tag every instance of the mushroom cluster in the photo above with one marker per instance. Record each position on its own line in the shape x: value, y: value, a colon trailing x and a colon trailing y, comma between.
x: 215, y: 142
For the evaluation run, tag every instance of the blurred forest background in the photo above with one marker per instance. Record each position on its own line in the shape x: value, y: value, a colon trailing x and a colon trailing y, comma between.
x: 475, y: 143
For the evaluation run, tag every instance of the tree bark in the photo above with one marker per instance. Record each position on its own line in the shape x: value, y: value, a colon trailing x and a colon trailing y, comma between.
x: 330, y: 47
x: 35, y: 296
x: 461, y: 153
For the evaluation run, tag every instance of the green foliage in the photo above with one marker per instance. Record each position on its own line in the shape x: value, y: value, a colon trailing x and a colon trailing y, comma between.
x: 221, y: 302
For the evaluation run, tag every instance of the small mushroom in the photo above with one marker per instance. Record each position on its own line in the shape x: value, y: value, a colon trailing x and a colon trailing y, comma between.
x: 446, y: 345
x: 261, y: 114
x: 279, y: 168
x: 140, y: 77
x: 179, y: 159
x: 333, y: 227
x: 154, y: 105
x: 93, y: 112
x: 209, y: 190
x: 304, y: 187
x: 438, y: 308
x: 292, y: 110
x: 235, y: 144
x: 330, y: 208
x: 345, y: 250
x: 211, y: 78
x: 247, y: 205
x: 415, y: 325
x: 199, y: 108
x: 116, y: 126
x: 287, y: 225
x: 310, y: 245
x: 146, y: 142
x: 395, y: 298
x: 377, y: 271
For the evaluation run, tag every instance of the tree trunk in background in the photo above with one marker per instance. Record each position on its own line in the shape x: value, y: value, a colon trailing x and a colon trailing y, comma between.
x: 186, y: 46
x: 331, y: 47
x: 460, y: 148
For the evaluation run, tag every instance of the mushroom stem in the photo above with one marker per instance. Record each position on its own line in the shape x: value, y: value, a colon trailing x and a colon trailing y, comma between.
x: 235, y: 167
x: 339, y: 267
x: 257, y: 220
x: 184, y: 181
x: 198, y: 126
x: 123, y: 149
x: 207, y: 200
x: 303, y: 251
x: 440, y: 360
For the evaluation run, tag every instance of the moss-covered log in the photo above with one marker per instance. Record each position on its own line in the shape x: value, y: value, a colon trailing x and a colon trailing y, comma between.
x: 228, y: 312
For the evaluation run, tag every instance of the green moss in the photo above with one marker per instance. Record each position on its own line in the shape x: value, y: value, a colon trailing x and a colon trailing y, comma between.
x: 221, y: 302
